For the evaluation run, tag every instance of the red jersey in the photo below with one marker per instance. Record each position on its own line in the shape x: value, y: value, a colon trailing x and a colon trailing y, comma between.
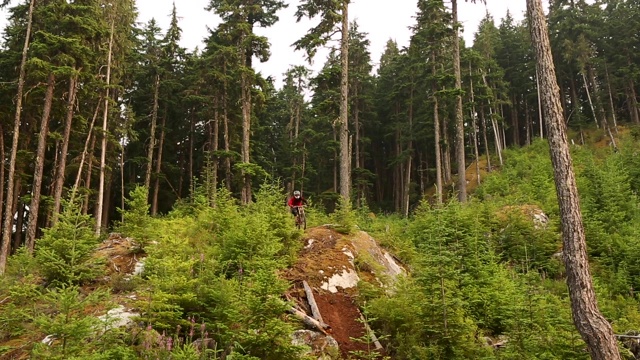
x: 296, y: 202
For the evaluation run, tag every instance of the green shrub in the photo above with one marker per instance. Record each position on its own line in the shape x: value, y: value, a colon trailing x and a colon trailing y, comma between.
x: 136, y: 221
x: 65, y: 253
x: 70, y: 327
x: 344, y: 217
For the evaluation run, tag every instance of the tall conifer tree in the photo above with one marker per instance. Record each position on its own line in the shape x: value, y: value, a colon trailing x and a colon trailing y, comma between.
x: 334, y: 17
x: 594, y: 328
x: 240, y: 17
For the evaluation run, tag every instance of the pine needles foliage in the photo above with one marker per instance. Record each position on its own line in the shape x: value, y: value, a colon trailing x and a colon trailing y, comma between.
x: 65, y: 252
x: 344, y: 217
x: 486, y: 277
x: 218, y: 267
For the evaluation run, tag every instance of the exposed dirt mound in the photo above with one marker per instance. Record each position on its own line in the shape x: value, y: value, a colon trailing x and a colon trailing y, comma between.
x: 333, y: 264
x: 121, y: 254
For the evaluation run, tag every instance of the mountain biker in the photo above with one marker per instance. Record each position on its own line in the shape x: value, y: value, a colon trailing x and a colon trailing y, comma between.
x: 295, y: 201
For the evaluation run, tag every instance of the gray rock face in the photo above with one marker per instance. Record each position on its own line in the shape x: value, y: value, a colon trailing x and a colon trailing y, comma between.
x: 541, y: 220
x: 321, y: 346
x: 118, y: 317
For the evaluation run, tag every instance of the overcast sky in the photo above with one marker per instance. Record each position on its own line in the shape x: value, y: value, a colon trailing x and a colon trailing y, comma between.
x: 381, y: 20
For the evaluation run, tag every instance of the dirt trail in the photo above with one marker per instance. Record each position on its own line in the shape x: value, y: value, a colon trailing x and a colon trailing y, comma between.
x: 329, y: 255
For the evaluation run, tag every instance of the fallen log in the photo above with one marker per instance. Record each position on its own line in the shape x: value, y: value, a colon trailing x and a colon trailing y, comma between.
x: 309, y: 321
x: 315, y: 311
x: 373, y: 336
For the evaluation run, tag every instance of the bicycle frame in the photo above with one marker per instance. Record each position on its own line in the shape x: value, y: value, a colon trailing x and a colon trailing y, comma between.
x: 301, y: 220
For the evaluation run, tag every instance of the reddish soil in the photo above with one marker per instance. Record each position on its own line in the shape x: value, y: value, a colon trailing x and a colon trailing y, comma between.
x: 323, y: 258
x: 342, y: 314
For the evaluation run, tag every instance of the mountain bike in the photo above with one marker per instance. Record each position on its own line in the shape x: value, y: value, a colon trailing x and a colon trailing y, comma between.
x: 301, y: 220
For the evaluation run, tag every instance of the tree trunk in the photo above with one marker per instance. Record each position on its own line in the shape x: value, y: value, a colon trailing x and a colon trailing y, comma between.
x: 295, y: 123
x: 475, y: 127
x: 436, y: 128
x: 540, y: 118
x: 398, y: 173
x: 246, y: 133
x: 497, y: 135
x: 56, y: 159
x: 216, y: 135
x: 19, y: 210
x: 152, y: 134
x: 156, y: 186
x: 446, y: 154
x: 356, y: 128
x: 575, y: 102
x: 192, y: 135
x: 60, y: 171
x: 460, y: 158
x: 298, y: 121
x: 106, y: 210
x: 88, y: 176
x: 514, y: 121
x: 563, y: 102
x: 485, y: 138
x: 8, y: 214
x: 292, y: 120
x: 503, y: 133
x: 304, y: 166
x: 593, y: 110
x: 407, y: 176
x: 227, y: 158
x: 91, y: 139
x: 613, y: 108
x: 182, y: 168
x: 598, y: 103
x: 122, y: 183
x: 2, y: 162
x: 593, y: 327
x: 345, y: 157
x: 527, y: 118
x: 335, y: 160
x: 38, y: 172
x: 423, y: 165
x: 380, y: 173
x: 103, y: 145
x: 495, y: 126
x: 633, y: 103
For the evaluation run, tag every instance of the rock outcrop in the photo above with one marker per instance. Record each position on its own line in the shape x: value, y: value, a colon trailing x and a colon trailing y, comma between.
x: 332, y: 264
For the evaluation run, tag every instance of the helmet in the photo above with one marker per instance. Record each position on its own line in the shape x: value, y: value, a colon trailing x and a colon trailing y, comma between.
x: 296, y: 193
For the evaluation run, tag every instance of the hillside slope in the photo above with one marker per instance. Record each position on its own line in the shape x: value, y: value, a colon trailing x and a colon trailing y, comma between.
x: 333, y: 264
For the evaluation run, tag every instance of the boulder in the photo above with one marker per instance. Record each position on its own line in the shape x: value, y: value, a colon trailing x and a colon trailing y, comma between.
x: 321, y: 347
x: 118, y: 317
